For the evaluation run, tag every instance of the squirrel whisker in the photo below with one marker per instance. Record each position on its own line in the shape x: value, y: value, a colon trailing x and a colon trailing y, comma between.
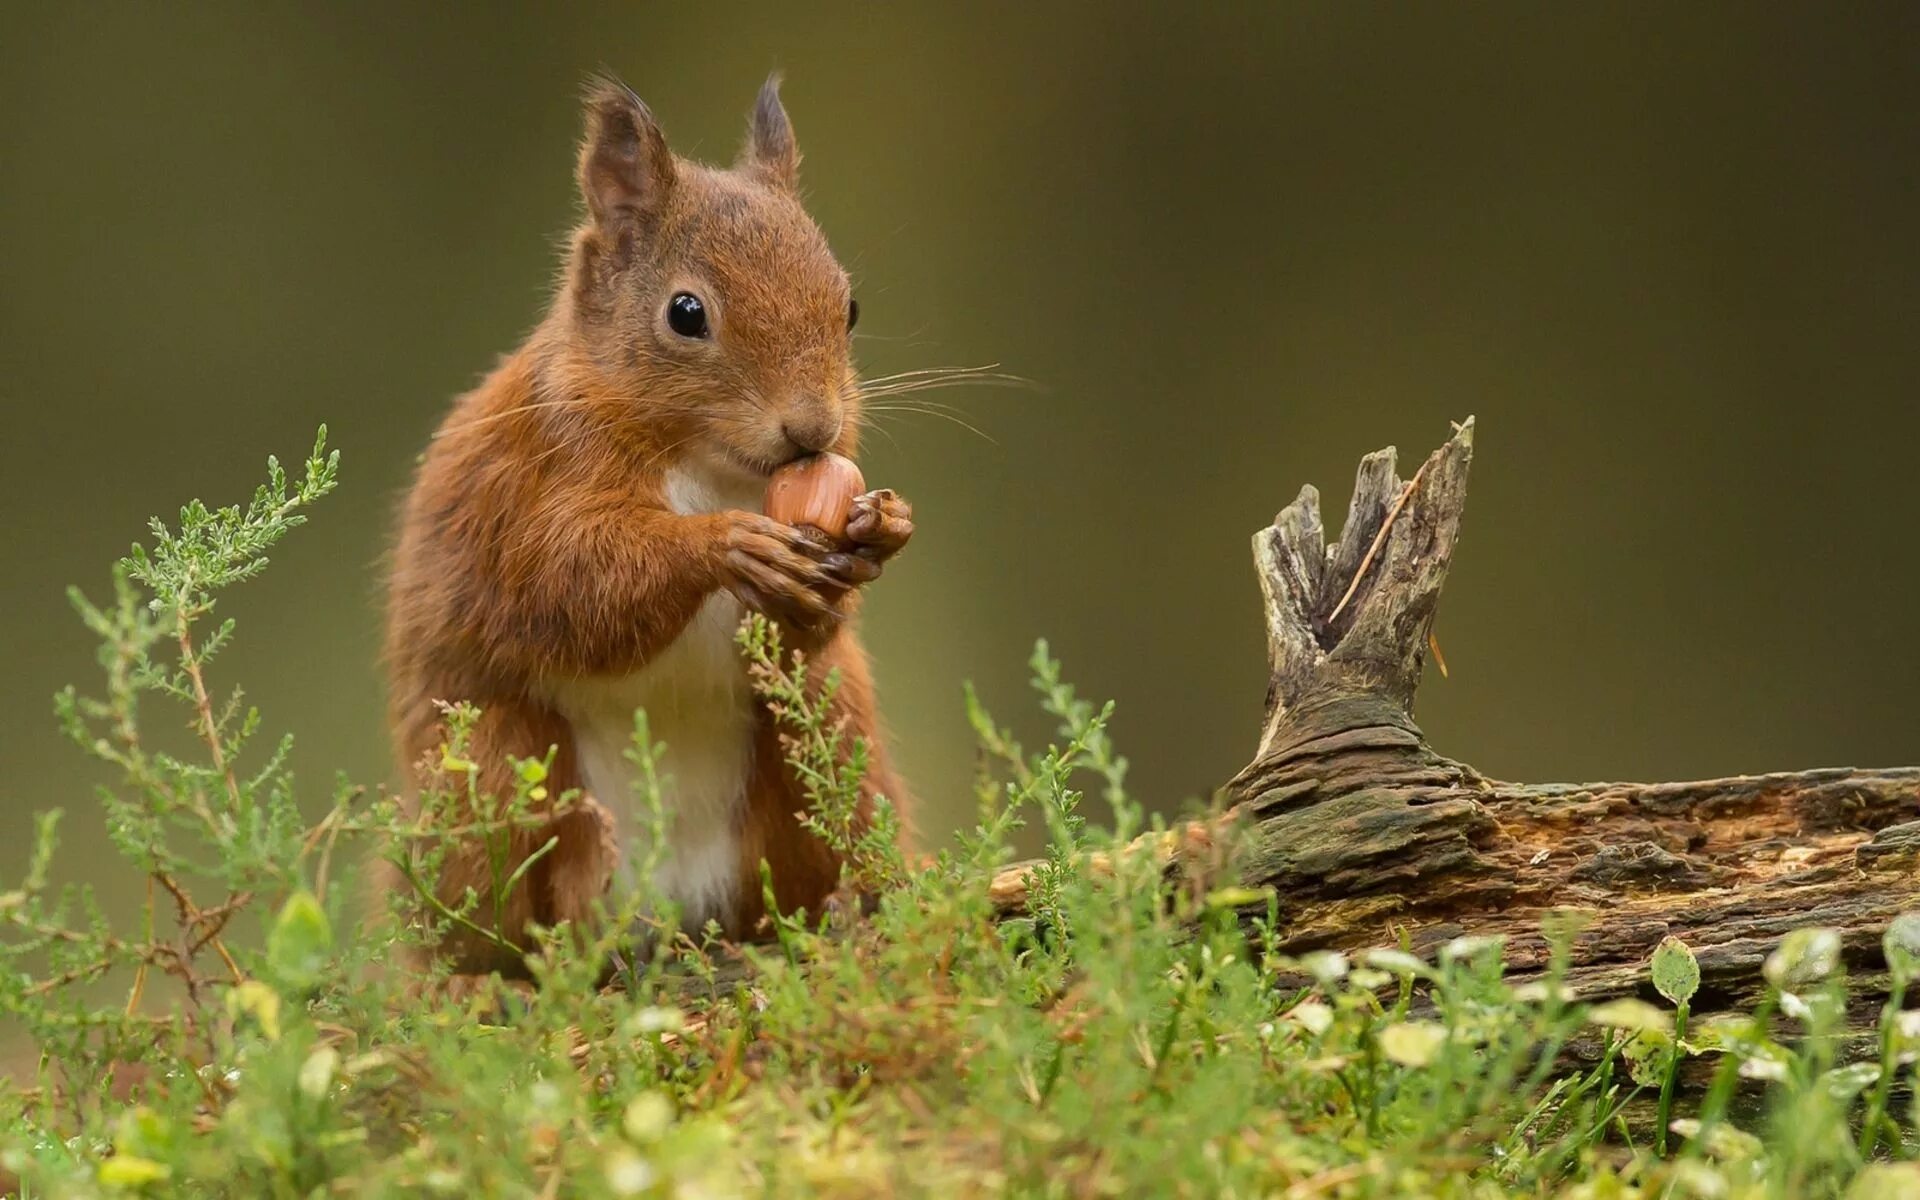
x: 987, y: 371
x: 890, y: 410
x: 490, y: 418
x: 920, y: 385
x: 932, y: 370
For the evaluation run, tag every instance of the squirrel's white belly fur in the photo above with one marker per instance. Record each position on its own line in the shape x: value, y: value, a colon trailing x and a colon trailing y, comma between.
x: 700, y: 705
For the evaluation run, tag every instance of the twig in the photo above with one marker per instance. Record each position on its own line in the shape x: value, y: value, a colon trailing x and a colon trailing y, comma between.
x: 1327, y: 1180
x: 330, y: 827
x: 216, y: 918
x: 210, y: 733
x: 1379, y: 539
x: 140, y: 973
x: 192, y: 918
x: 146, y: 954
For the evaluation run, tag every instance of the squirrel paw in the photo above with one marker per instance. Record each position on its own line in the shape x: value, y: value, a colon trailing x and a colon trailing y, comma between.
x: 777, y: 570
x: 881, y: 523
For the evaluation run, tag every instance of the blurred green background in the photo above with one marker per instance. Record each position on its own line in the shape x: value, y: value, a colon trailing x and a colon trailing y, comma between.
x: 1669, y: 255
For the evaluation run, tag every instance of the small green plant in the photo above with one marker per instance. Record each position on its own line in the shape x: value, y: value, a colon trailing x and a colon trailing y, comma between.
x: 1127, y: 1030
x: 1899, y: 1033
x: 1676, y: 975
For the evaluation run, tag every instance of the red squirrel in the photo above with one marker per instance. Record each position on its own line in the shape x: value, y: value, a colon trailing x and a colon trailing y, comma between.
x: 585, y: 533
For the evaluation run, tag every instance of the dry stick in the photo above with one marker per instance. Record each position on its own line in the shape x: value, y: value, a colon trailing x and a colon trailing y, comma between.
x: 326, y: 861
x: 329, y: 830
x: 140, y: 972
x: 1379, y: 539
x: 146, y: 954
x: 210, y: 733
x: 216, y: 918
x: 1327, y: 1180
x: 139, y: 987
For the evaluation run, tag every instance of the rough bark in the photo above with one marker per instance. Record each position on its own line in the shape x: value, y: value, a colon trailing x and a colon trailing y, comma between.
x: 1365, y: 831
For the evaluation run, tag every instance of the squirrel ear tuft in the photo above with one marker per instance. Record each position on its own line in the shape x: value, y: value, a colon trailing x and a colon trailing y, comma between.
x: 626, y: 170
x: 770, y: 151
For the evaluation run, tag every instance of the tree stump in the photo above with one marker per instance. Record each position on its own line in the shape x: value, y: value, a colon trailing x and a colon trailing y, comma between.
x: 1365, y: 832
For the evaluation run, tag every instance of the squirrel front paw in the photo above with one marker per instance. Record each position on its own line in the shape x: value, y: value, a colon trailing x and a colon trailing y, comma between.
x: 779, y: 571
x: 880, y: 525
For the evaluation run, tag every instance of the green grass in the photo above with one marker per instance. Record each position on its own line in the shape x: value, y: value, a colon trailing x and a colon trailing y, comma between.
x: 1129, y: 1034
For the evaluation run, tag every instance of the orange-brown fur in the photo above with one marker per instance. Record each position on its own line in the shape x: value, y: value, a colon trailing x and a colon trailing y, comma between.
x: 538, y: 548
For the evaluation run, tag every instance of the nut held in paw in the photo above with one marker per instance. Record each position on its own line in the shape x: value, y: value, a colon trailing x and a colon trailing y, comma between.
x: 817, y: 491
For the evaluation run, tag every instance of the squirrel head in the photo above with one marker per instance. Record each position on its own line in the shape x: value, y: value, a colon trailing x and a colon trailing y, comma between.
x: 705, y: 301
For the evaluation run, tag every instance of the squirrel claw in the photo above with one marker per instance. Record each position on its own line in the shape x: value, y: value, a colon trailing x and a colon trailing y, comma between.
x: 850, y: 570
x: 792, y: 589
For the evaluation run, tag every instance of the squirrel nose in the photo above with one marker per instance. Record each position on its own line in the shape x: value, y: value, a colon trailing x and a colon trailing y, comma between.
x: 812, y: 434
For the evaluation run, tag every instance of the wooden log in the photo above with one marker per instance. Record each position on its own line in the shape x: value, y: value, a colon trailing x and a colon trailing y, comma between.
x: 1365, y: 832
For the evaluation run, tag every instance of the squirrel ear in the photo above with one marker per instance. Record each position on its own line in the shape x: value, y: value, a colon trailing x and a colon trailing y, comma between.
x: 770, y: 151
x: 626, y: 169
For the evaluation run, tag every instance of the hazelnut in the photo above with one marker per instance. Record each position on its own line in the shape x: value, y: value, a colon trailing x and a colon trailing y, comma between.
x: 816, y: 491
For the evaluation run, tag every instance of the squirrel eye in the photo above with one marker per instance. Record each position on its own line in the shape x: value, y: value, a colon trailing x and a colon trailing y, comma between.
x: 686, y: 316
x: 853, y: 314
